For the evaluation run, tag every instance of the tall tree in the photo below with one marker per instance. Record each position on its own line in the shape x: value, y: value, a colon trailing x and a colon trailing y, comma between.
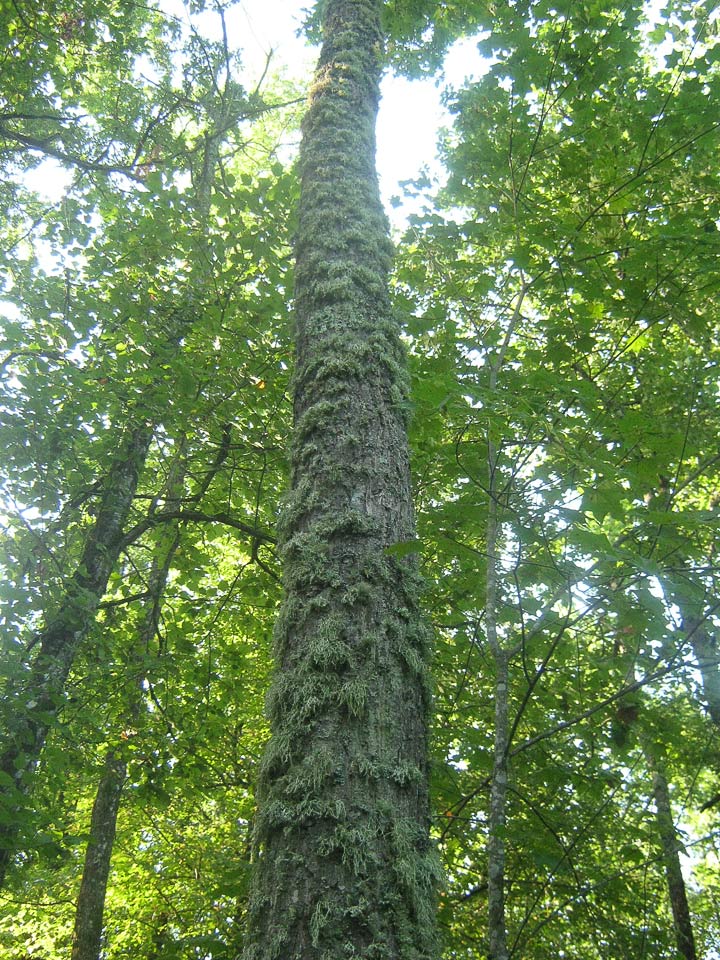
x: 562, y: 327
x: 37, y: 693
x: 87, y: 936
x: 345, y: 867
x: 667, y: 835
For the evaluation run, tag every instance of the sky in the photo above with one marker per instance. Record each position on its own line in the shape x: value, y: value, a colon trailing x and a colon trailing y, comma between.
x: 411, y: 112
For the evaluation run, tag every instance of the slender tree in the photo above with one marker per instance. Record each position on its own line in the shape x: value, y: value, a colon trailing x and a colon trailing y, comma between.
x: 667, y: 835
x: 37, y: 697
x: 38, y: 694
x: 344, y: 863
x: 87, y: 936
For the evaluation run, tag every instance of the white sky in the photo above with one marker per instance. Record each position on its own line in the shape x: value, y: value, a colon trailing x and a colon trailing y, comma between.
x: 411, y: 113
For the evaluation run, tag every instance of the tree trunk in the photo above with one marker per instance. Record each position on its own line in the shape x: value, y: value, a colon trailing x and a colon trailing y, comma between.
x: 497, y: 929
x: 708, y: 659
x: 344, y: 863
x: 671, y: 859
x: 87, y: 938
x: 497, y: 818
x: 36, y: 699
x: 502, y: 656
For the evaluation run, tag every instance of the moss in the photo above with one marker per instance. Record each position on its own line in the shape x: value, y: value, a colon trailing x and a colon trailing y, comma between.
x: 307, y: 563
x: 296, y: 698
x: 315, y: 770
x: 407, y: 772
x: 358, y: 594
x: 327, y: 646
x: 316, y: 417
x: 347, y: 523
x: 342, y: 871
x: 415, y: 661
x: 354, y: 695
x: 319, y: 919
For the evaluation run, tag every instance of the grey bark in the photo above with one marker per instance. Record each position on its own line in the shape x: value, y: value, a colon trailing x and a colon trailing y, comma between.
x: 36, y: 700
x: 670, y: 846
x: 497, y: 930
x: 497, y: 818
x: 344, y: 866
x: 706, y: 652
x: 87, y: 936
x: 502, y: 656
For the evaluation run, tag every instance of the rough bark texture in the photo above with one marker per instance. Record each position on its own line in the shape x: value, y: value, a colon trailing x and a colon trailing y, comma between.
x: 36, y: 699
x: 671, y: 860
x: 344, y: 865
x: 87, y: 938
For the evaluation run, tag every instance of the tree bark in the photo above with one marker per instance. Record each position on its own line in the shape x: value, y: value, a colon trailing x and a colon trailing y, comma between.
x: 87, y: 937
x: 707, y: 655
x: 671, y: 859
x: 344, y: 866
x: 497, y: 817
x: 497, y: 928
x: 502, y: 656
x: 36, y: 699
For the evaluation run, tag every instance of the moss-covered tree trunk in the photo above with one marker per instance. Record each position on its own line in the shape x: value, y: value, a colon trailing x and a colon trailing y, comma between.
x: 344, y: 866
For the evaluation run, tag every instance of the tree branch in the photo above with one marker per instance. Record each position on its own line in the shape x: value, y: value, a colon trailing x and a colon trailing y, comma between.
x: 195, y: 516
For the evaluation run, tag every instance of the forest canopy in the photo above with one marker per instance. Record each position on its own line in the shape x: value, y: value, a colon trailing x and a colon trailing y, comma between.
x: 556, y: 292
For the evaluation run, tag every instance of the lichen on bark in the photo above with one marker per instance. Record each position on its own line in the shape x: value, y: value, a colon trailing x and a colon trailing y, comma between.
x: 344, y: 865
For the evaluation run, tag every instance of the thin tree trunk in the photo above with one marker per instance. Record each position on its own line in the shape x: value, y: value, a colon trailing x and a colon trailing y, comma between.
x: 497, y: 819
x: 87, y: 938
x: 707, y: 655
x: 671, y: 859
x: 37, y: 699
x: 497, y: 930
x: 344, y: 863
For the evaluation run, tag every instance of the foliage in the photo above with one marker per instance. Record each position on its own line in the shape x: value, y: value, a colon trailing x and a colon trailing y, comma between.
x: 559, y: 299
